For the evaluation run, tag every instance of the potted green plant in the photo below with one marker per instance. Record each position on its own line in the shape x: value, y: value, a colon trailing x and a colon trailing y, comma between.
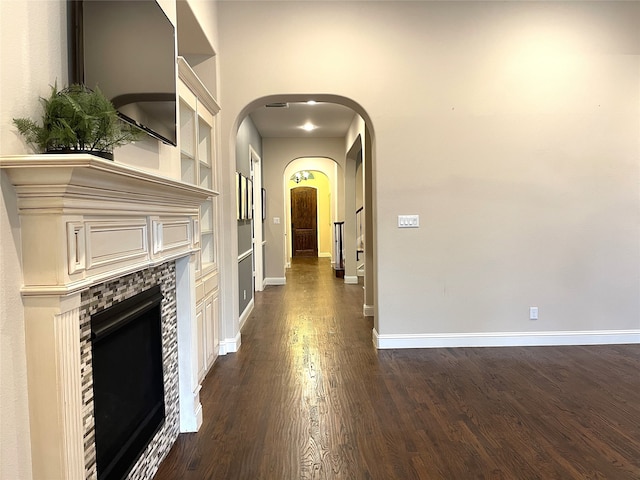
x: 77, y: 120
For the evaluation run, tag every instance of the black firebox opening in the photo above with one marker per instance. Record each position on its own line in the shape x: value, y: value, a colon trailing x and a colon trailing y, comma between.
x: 128, y: 385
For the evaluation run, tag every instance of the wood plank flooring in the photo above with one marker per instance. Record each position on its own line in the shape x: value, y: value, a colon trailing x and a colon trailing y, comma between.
x: 308, y: 397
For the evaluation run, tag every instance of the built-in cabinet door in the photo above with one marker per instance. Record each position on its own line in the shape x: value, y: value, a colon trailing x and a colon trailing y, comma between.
x: 202, y: 354
x: 208, y: 343
x: 216, y: 326
x: 212, y: 329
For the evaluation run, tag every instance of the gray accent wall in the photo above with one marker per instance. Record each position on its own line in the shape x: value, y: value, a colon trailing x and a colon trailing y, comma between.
x: 247, y: 136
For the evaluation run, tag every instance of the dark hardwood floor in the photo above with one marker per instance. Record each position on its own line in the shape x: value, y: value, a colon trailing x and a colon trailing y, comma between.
x: 308, y: 397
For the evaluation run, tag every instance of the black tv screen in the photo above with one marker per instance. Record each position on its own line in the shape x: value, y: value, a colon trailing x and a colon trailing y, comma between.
x: 127, y: 50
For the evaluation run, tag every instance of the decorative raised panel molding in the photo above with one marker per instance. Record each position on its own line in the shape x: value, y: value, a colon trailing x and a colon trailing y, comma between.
x: 176, y: 233
x: 191, y: 79
x: 85, y: 220
x: 157, y: 236
x: 112, y: 242
x: 76, y: 250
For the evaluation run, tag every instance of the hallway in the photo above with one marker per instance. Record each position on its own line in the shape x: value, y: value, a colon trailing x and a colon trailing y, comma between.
x: 308, y: 397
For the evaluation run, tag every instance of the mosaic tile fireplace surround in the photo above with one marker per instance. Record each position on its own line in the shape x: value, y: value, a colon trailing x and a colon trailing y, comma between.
x: 101, y: 297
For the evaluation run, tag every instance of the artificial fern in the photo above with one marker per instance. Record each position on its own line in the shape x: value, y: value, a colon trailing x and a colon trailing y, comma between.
x: 77, y: 119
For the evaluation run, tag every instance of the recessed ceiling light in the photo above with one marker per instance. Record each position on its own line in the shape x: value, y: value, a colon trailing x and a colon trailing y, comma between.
x: 309, y: 126
x: 312, y: 102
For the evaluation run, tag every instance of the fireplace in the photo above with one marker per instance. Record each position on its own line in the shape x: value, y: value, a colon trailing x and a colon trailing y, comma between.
x: 98, y: 234
x: 137, y: 310
x: 128, y: 386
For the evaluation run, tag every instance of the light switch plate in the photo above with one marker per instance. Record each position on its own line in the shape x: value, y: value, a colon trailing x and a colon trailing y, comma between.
x: 408, y: 221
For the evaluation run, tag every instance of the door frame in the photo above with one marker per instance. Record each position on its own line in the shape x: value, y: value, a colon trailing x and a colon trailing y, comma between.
x: 257, y: 240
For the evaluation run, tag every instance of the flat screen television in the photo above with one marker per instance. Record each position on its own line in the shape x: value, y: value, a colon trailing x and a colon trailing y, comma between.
x: 128, y: 50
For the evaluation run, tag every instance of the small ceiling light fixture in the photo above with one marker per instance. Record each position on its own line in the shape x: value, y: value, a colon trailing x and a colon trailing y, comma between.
x: 312, y: 102
x: 309, y: 126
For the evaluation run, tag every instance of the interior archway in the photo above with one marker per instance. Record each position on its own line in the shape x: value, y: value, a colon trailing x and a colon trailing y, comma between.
x: 277, y: 203
x: 332, y: 172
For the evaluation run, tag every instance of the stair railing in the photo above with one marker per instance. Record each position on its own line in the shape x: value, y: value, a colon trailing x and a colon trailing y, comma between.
x: 338, y: 235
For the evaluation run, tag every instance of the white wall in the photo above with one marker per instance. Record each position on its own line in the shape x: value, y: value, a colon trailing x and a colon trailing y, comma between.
x: 33, y: 48
x: 511, y: 128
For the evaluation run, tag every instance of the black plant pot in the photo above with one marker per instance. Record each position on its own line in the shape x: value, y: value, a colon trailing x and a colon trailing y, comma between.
x: 97, y: 153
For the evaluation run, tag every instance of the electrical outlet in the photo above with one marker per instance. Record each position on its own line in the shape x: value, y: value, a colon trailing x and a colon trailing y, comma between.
x: 244, y: 294
x: 533, y: 313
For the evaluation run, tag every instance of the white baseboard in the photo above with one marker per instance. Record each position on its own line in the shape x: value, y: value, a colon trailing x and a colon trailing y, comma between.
x: 506, y: 339
x: 324, y: 255
x: 244, y: 315
x: 351, y: 280
x: 275, y: 281
x: 230, y: 345
x: 368, y: 310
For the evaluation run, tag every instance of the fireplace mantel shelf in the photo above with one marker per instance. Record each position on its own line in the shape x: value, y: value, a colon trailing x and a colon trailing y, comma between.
x: 55, y: 180
x: 85, y: 220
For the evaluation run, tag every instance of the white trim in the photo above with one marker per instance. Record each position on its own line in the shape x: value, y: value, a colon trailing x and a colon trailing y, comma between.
x: 256, y: 177
x: 324, y: 255
x: 67, y: 338
x: 230, y: 345
x: 368, y: 310
x: 244, y: 255
x: 351, y: 279
x: 505, y: 339
x: 191, y: 79
x: 247, y: 311
x: 189, y: 384
x: 275, y: 281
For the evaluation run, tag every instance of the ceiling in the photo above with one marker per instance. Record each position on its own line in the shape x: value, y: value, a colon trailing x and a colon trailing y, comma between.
x: 330, y: 120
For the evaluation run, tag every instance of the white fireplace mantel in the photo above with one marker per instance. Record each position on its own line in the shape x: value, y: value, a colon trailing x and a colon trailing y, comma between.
x: 84, y: 221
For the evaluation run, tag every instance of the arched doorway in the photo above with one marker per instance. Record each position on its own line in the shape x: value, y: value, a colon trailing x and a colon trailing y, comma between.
x: 277, y: 206
x: 324, y: 175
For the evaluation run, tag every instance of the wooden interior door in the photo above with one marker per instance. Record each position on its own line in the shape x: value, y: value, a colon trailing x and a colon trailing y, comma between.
x: 304, y: 222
